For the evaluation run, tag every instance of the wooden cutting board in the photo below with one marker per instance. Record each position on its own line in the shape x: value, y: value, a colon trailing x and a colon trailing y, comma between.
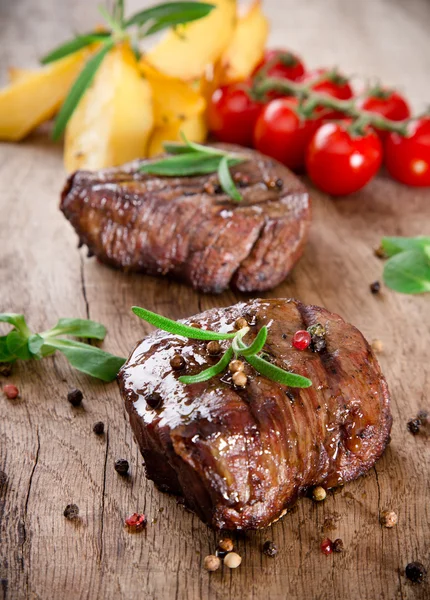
x: 47, y: 448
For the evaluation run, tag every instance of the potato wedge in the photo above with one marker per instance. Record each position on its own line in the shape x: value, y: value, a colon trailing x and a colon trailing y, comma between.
x: 15, y: 74
x: 246, y: 48
x: 33, y: 97
x: 194, y: 128
x: 173, y: 98
x: 112, y: 122
x: 186, y: 50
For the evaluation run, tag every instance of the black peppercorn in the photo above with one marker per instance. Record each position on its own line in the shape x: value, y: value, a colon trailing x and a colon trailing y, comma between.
x: 71, y: 512
x: 154, y: 400
x: 99, y: 428
x: 416, y: 572
x: 375, y: 287
x: 177, y: 362
x: 270, y: 549
x: 122, y: 466
x: 75, y: 397
x: 338, y: 545
x: 414, y: 426
x: 279, y: 184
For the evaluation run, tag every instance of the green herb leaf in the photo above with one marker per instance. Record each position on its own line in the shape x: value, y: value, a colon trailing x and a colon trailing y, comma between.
x: 78, y: 89
x: 179, y: 328
x: 276, y: 374
x: 181, y: 165
x: 176, y: 148
x: 5, y: 354
x: 110, y: 19
x: 84, y: 328
x: 171, y: 13
x: 35, y: 343
x: 79, y: 42
x: 88, y: 359
x: 118, y: 12
x: 17, y: 321
x: 226, y: 180
x: 408, y: 272
x: 394, y: 245
x: 220, y: 366
x: 17, y: 344
x: 257, y: 345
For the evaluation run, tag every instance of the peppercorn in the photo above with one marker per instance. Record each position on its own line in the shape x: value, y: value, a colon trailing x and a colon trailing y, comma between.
x: 380, y: 252
x: 375, y: 287
x: 317, y: 332
x: 326, y: 546
x: 226, y: 545
x: 213, y: 347
x: 279, y: 183
x: 232, y: 560
x: 301, y: 339
x: 414, y: 426
x: 11, y: 391
x: 319, y: 494
x: 5, y: 369
x: 241, y: 323
x: 196, y: 325
x: 71, y: 512
x: 153, y: 400
x: 235, y: 366
x: 75, y: 397
x: 99, y: 428
x: 122, y: 466
x: 338, y: 546
x: 416, y: 572
x: 136, y: 521
x: 177, y: 362
x: 211, y: 563
x: 388, y: 518
x: 270, y: 549
x: 377, y: 346
x: 240, y: 379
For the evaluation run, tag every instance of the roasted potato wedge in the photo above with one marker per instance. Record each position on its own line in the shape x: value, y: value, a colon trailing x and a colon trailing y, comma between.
x: 246, y: 48
x: 185, y: 51
x: 15, y: 74
x: 113, y: 121
x: 173, y: 98
x: 34, y: 96
x: 194, y: 128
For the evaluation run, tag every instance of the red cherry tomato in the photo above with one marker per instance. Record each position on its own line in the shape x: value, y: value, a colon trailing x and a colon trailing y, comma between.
x: 332, y: 84
x: 232, y: 114
x: 290, y: 66
x: 388, y: 103
x: 282, y: 133
x: 408, y: 158
x: 340, y: 162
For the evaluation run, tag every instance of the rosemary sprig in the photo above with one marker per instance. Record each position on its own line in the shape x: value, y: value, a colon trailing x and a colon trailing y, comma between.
x: 21, y: 343
x: 190, y: 158
x: 237, y: 348
x: 146, y: 22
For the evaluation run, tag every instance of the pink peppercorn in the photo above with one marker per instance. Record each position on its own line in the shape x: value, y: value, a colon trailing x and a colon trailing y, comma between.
x: 11, y: 391
x: 327, y: 546
x: 301, y: 339
x: 136, y: 521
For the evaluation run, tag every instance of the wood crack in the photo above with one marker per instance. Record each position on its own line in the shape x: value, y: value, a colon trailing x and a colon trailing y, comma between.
x: 27, y: 498
x: 83, y: 287
x: 103, y: 497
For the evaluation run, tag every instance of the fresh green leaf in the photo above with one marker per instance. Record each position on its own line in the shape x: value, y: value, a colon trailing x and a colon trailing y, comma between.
x: 276, y: 374
x: 17, y: 321
x: 179, y: 328
x: 394, y: 245
x: 176, y: 148
x: 88, y: 359
x: 79, y: 42
x: 220, y: 366
x: 5, y: 354
x: 408, y: 272
x: 17, y: 344
x: 83, y: 328
x: 257, y: 345
x: 78, y: 89
x: 177, y: 12
x: 226, y: 180
x: 181, y: 165
x: 35, y: 343
x: 203, y: 149
x: 118, y: 12
x: 237, y: 344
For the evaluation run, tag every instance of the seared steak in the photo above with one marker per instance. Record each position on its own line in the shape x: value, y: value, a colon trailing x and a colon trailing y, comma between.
x: 187, y: 228
x: 241, y: 456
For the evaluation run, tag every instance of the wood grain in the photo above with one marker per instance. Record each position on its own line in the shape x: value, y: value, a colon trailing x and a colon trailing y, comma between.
x: 47, y: 448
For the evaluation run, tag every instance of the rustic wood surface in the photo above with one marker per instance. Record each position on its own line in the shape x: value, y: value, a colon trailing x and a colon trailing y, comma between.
x: 47, y: 448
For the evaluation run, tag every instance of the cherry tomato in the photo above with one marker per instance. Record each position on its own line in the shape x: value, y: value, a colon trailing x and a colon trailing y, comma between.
x: 408, y: 158
x: 282, y: 133
x: 232, y: 114
x: 333, y: 84
x: 388, y: 103
x: 340, y: 162
x: 290, y: 66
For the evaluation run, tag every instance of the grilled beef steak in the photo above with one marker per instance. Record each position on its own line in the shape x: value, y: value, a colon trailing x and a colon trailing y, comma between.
x: 241, y: 456
x: 187, y: 228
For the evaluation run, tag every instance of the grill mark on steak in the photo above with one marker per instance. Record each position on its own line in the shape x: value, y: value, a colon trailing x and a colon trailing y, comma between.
x: 173, y: 226
x: 241, y: 457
